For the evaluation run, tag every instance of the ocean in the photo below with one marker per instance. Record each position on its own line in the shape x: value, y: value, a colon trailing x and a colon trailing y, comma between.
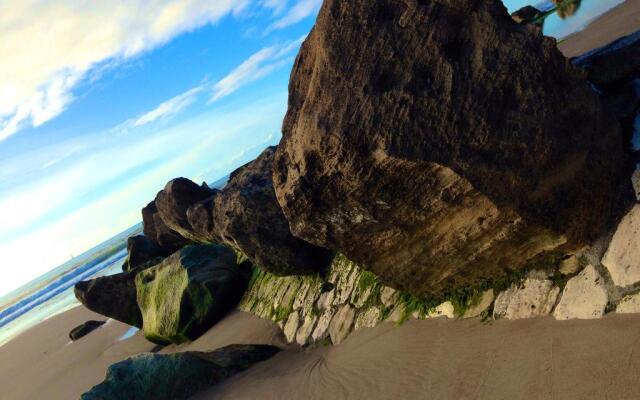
x: 52, y: 293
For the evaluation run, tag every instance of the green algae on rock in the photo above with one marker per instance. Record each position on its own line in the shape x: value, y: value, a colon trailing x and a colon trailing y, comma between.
x: 175, y: 376
x: 187, y: 293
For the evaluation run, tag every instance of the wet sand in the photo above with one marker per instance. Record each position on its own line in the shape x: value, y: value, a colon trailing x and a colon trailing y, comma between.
x: 620, y: 21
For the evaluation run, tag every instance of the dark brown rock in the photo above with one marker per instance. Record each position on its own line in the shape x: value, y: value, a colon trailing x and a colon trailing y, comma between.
x: 84, y: 329
x: 246, y: 215
x: 438, y: 143
x: 526, y: 15
x: 175, y: 199
x: 113, y: 296
x: 157, y: 231
x: 141, y: 251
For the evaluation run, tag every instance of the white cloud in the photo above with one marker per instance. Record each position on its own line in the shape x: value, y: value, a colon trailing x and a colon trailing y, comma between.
x: 259, y: 65
x: 277, y: 6
x: 49, y: 47
x: 301, y: 10
x: 169, y: 107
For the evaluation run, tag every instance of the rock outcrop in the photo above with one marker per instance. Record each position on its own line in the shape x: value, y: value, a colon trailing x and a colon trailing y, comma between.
x: 244, y: 215
x: 175, y: 199
x: 84, y: 329
x: 536, y: 297
x: 142, y: 251
x: 113, y: 296
x: 176, y: 376
x: 157, y: 231
x: 436, y: 156
x: 188, y: 292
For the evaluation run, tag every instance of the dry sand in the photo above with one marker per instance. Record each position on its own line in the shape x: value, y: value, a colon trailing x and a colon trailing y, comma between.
x: 620, y: 21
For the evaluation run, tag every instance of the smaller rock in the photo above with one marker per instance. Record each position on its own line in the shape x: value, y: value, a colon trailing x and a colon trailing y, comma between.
x: 113, y: 296
x: 443, y: 310
x: 368, y: 319
x: 622, y: 258
x: 629, y: 304
x: 569, y: 265
x: 584, y: 297
x: 291, y: 327
x: 190, y: 291
x: 174, y: 201
x: 536, y: 297
x: 345, y: 286
x: 341, y: 323
x: 304, y: 332
x: 477, y: 309
x: 141, y: 251
x: 360, y: 295
x: 321, y: 330
x: 175, y: 376
x: 389, y: 296
x: 84, y: 329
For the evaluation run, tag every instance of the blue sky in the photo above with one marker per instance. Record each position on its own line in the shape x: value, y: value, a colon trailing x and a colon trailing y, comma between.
x: 103, y: 102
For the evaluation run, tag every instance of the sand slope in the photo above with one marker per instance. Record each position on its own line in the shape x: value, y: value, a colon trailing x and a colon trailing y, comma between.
x: 443, y: 359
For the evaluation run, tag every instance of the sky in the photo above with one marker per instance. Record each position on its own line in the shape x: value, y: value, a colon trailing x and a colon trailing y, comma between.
x: 103, y: 102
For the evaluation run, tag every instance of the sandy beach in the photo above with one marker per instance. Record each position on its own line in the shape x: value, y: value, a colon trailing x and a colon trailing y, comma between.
x: 528, y: 359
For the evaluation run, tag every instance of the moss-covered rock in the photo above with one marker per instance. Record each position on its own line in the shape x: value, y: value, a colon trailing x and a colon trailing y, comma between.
x: 175, y: 376
x: 187, y: 293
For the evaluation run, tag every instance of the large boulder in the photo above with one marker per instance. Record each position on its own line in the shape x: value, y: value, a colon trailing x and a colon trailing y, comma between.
x: 113, y: 296
x: 188, y: 292
x: 438, y: 143
x: 175, y: 376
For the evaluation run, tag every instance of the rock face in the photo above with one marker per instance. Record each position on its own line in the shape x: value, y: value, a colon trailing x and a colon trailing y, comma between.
x: 113, y: 296
x: 188, y: 292
x: 157, y: 231
x: 174, y: 201
x: 623, y: 256
x: 536, y: 297
x: 175, y: 376
x: 84, y: 329
x: 584, y: 297
x: 435, y: 156
x: 141, y: 251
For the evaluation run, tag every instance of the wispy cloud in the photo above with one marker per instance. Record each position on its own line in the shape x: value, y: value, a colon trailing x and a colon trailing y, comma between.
x: 278, y: 6
x: 257, y: 66
x: 169, y: 107
x: 301, y: 10
x: 50, y: 47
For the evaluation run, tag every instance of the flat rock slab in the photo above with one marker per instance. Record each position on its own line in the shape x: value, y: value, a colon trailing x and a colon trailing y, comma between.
x: 535, y: 298
x: 584, y: 297
x: 340, y: 325
x: 623, y: 256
